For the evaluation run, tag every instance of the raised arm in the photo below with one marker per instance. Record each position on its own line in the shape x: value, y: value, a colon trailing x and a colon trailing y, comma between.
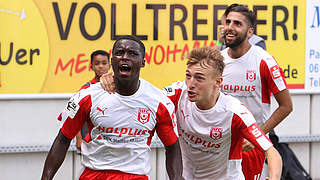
x: 274, y: 163
x: 174, y: 161
x: 55, y: 156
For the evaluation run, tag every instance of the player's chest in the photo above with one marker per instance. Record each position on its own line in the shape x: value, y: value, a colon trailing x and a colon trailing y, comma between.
x: 116, y: 113
x: 241, y: 73
x: 208, y: 131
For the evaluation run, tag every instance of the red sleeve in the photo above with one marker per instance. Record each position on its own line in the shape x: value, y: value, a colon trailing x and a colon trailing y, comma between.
x: 252, y: 133
x: 72, y: 125
x: 166, y: 125
x: 270, y: 77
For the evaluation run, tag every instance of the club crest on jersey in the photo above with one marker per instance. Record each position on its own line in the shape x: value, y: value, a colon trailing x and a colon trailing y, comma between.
x: 251, y: 75
x: 275, y: 72
x: 143, y: 115
x: 216, y: 133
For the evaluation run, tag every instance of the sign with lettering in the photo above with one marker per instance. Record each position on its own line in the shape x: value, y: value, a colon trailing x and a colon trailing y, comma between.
x: 45, y: 46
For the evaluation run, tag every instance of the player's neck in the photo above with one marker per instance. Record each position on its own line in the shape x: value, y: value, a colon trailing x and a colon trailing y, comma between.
x: 209, y: 102
x: 126, y: 88
x: 240, y: 50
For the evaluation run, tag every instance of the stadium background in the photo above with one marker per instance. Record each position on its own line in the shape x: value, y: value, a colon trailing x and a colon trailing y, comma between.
x: 45, y: 49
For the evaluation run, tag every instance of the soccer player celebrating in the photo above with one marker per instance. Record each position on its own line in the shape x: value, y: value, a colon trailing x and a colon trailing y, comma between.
x: 251, y: 75
x: 121, y: 125
x: 212, y: 125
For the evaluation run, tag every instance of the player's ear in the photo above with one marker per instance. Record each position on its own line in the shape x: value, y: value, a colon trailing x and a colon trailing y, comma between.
x: 143, y: 63
x: 250, y: 31
x: 219, y: 81
x: 91, y: 67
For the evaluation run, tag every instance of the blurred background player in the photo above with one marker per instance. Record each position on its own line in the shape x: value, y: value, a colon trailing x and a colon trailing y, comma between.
x: 252, y: 75
x: 100, y: 64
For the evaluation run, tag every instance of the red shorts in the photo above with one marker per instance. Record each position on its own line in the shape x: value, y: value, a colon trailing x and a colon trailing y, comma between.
x: 252, y: 164
x: 89, y: 174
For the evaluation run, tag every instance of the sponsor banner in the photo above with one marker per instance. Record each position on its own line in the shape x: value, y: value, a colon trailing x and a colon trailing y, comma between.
x: 46, y: 45
x: 312, y: 54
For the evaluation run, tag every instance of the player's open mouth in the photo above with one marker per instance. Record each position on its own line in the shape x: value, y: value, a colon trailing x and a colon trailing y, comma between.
x: 124, y: 68
x: 229, y: 35
x: 191, y: 94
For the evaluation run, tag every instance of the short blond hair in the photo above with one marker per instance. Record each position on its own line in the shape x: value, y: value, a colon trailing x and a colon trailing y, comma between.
x: 207, y: 56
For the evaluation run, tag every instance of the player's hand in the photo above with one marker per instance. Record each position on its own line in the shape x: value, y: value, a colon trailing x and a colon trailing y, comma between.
x: 247, y: 146
x: 107, y: 82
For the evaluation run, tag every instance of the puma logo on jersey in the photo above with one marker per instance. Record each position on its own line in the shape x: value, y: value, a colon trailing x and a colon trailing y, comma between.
x: 102, y: 111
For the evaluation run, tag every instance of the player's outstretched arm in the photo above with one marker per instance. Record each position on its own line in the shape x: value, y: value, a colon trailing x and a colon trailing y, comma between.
x: 55, y: 156
x: 174, y: 161
x: 274, y: 163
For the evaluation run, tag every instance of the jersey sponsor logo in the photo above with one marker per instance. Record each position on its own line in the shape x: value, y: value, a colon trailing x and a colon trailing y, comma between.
x: 275, y: 72
x: 255, y: 131
x: 122, y: 131
x: 236, y: 88
x: 251, y: 75
x: 102, y: 111
x: 198, y: 140
x: 216, y: 133
x: 143, y: 115
x: 72, y: 108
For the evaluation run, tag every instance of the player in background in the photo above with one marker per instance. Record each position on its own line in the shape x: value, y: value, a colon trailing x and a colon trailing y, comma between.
x: 252, y: 75
x: 253, y: 39
x: 100, y: 64
x: 121, y: 125
x: 212, y: 125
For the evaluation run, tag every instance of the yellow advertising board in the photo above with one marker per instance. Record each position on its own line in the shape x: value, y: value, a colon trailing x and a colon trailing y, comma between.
x: 46, y: 45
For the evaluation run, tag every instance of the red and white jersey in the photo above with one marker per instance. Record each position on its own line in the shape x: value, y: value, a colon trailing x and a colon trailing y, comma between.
x: 211, y: 140
x: 251, y: 79
x: 120, y: 127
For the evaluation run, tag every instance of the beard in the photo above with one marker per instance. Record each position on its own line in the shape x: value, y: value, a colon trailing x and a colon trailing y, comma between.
x: 236, y: 42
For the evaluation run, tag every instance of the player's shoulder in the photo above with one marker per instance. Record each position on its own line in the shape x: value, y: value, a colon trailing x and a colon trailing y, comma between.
x: 229, y: 102
x: 92, y: 90
x: 234, y: 106
x: 170, y: 89
x: 154, y: 93
x: 224, y: 52
x: 150, y: 90
x: 262, y: 54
